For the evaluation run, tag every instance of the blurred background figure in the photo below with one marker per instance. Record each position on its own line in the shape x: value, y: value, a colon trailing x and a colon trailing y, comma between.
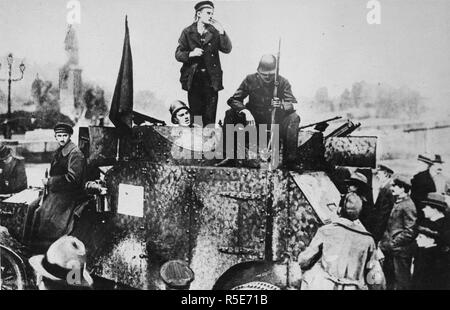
x: 384, y: 201
x: 432, y: 260
x: 398, y: 242
x: 13, y: 178
x: 440, y: 180
x: 63, y: 267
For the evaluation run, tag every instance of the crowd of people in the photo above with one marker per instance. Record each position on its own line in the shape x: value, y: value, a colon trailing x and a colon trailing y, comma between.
x: 394, y: 235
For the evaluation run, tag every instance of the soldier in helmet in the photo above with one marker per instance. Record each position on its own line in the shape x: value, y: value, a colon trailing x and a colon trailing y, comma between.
x: 259, y: 87
x: 180, y: 114
x: 13, y: 178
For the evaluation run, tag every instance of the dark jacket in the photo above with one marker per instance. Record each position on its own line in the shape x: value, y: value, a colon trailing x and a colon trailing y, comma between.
x: 260, y: 95
x: 13, y: 178
x: 432, y: 265
x: 54, y: 217
x: 399, y: 237
x: 382, y: 210
x: 214, y: 42
x: 421, y: 184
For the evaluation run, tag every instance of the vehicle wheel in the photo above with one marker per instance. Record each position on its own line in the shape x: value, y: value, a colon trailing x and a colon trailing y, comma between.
x: 256, y: 285
x: 12, y: 274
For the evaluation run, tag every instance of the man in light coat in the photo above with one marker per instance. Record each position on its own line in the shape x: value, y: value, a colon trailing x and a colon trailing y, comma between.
x: 342, y: 254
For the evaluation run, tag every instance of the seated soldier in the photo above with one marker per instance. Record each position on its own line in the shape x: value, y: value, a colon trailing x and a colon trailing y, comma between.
x: 259, y: 87
x: 13, y: 178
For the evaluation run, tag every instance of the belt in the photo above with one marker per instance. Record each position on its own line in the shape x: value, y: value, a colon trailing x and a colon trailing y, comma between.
x: 345, y: 281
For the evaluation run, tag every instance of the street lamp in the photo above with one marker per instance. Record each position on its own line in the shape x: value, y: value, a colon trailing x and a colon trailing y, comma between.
x: 10, y: 61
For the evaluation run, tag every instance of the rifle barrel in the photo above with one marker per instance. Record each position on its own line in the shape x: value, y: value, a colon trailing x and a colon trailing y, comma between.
x: 324, y: 121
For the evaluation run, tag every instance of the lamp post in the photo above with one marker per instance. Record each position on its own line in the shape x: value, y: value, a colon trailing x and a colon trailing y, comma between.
x: 10, y: 60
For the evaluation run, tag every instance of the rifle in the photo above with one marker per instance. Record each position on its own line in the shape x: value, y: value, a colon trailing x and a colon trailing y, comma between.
x: 321, y: 122
x: 45, y: 192
x: 275, y: 94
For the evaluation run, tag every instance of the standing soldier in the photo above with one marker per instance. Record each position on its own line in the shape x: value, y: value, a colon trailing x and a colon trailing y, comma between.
x: 54, y: 218
x: 259, y: 87
x: 13, y: 178
x: 398, y: 243
x: 201, y: 73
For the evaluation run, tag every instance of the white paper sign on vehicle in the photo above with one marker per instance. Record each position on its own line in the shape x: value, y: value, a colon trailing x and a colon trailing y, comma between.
x: 131, y: 200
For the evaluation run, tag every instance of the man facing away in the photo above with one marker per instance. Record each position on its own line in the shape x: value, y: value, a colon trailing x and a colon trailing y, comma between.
x: 13, y: 177
x: 198, y: 50
x: 398, y: 242
x: 342, y: 255
x: 259, y: 88
x: 65, y: 187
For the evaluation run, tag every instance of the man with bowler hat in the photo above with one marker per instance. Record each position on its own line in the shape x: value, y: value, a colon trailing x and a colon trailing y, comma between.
x: 422, y: 183
x: 65, y: 184
x: 201, y: 73
x: 13, y: 178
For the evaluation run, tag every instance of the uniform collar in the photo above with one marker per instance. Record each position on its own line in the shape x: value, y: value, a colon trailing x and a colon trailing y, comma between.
x: 68, y: 148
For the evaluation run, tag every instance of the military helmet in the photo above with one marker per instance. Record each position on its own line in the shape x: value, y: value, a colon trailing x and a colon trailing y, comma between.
x: 267, y: 64
x: 176, y: 106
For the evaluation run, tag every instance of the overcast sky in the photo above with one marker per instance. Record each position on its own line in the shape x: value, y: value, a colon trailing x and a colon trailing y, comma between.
x: 324, y: 43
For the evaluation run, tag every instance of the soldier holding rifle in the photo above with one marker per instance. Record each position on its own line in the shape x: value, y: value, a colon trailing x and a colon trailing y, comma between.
x: 259, y: 87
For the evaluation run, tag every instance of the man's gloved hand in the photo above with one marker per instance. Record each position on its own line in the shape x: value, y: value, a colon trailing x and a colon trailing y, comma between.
x: 249, y: 117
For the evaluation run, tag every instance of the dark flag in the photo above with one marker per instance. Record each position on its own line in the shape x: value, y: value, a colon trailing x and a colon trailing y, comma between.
x: 122, y: 102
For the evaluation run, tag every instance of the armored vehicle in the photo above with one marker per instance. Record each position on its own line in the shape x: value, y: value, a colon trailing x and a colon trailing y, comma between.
x: 162, y: 198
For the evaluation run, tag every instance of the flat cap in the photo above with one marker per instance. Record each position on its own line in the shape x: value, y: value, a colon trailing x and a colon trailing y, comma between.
x: 63, y: 128
x: 203, y: 4
x: 402, y: 179
x: 357, y: 178
x: 435, y: 200
x: 385, y: 168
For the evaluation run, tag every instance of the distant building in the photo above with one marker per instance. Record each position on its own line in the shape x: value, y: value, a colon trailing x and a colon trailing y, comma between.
x: 70, y: 83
